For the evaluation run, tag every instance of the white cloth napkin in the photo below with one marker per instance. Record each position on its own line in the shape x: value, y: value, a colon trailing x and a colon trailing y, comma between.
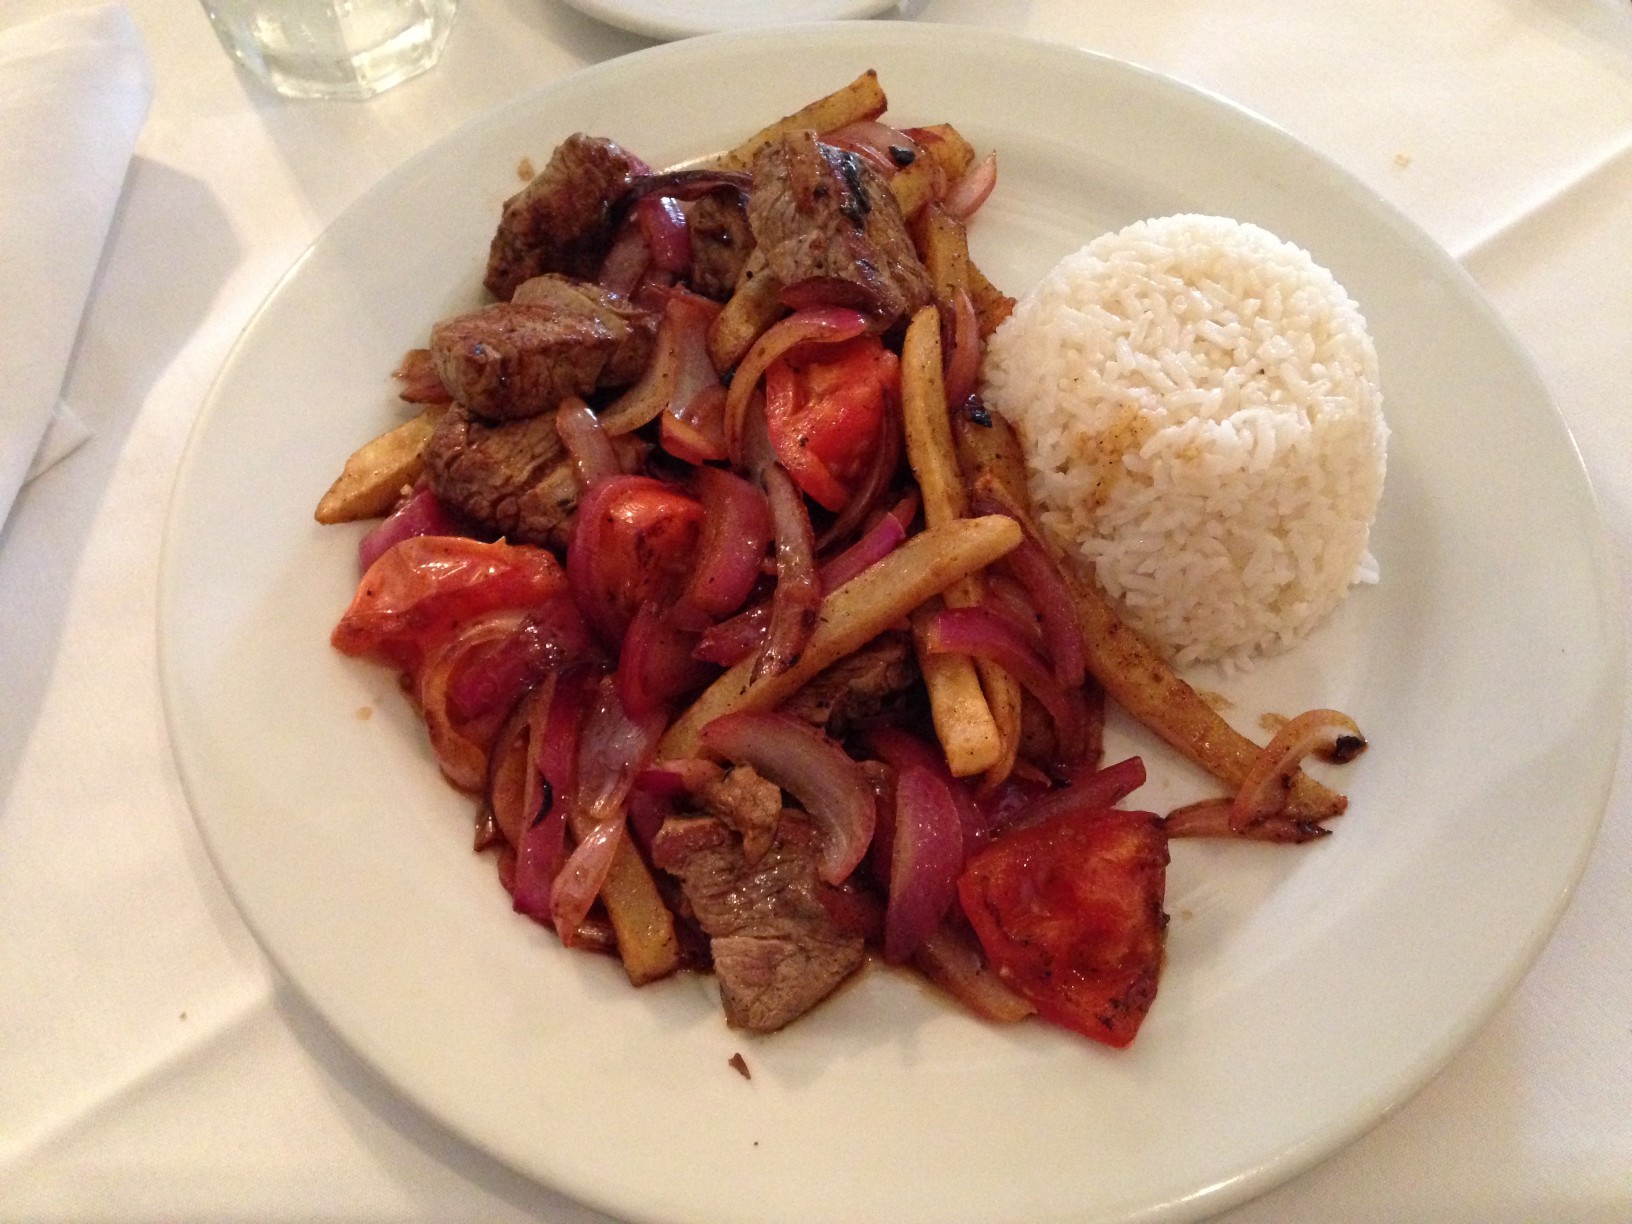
x: 74, y: 89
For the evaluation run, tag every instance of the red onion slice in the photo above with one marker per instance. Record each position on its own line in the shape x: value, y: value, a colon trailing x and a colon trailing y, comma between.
x: 984, y: 634
x: 461, y: 746
x: 581, y: 877
x: 614, y: 746
x: 963, y: 350
x: 827, y: 783
x: 820, y: 325
x: 797, y: 600
x: 1038, y: 571
x: 588, y: 445
x: 953, y: 959
x: 421, y: 514
x: 1211, y: 818
x: 1096, y: 791
x: 964, y: 198
x: 667, y: 235
x: 679, y: 373
x: 924, y: 863
x: 626, y: 261
x: 737, y: 529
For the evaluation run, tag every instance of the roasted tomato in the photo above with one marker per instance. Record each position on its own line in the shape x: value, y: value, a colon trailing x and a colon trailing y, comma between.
x: 634, y: 541
x: 423, y: 589
x: 1069, y: 911
x: 824, y: 407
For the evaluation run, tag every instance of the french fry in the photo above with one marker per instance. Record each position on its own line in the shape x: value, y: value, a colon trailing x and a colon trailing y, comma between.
x: 884, y: 594
x: 374, y: 475
x: 958, y: 687
x: 754, y: 305
x: 647, y: 944
x: 991, y: 457
x: 964, y: 725
x: 947, y: 147
x: 863, y: 98
x: 918, y: 185
x: 943, y: 248
x: 992, y: 305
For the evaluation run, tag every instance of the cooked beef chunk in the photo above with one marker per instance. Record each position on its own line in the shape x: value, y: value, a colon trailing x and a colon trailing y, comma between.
x: 561, y: 221
x: 860, y: 688
x: 720, y: 243
x: 557, y: 338
x: 513, y: 479
x: 832, y: 231
x: 777, y: 951
x: 746, y: 802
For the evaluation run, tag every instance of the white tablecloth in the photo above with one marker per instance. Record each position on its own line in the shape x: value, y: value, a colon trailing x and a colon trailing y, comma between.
x: 151, y: 1067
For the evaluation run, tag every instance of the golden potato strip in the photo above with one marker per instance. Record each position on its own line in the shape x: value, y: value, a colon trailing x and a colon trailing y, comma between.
x: 882, y: 595
x: 924, y: 417
x: 964, y: 725
x: 969, y: 734
x: 377, y: 471
x: 918, y: 185
x: 991, y: 457
x: 647, y: 944
x: 992, y: 305
x: 1138, y: 679
x: 863, y: 98
x: 943, y: 246
x: 755, y: 304
x: 947, y: 147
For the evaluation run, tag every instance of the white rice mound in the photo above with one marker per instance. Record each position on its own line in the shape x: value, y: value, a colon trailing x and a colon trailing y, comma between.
x: 1199, y: 404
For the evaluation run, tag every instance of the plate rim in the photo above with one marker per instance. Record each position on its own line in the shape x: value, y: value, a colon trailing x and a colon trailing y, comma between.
x: 651, y: 21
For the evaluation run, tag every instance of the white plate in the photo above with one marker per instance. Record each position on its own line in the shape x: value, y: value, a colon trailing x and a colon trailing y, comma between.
x: 1307, y: 991
x: 684, y: 18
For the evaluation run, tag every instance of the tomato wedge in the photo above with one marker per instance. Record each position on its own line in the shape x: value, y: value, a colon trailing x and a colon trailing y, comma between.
x: 825, y: 406
x: 1069, y: 912
x: 421, y: 590
x: 633, y: 541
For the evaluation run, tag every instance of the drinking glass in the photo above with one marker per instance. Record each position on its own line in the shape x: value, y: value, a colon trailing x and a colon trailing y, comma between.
x: 332, y: 48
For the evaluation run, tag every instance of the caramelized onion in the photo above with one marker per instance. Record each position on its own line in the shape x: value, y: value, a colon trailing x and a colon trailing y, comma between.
x: 1211, y: 818
x: 581, y: 877
x: 827, y: 783
x: 1264, y: 791
x: 461, y: 746
x: 964, y: 198
x: 679, y: 375
x: 588, y: 445
x: 953, y: 959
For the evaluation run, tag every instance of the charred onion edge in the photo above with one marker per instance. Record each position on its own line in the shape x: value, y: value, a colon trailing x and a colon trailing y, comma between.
x: 1264, y: 791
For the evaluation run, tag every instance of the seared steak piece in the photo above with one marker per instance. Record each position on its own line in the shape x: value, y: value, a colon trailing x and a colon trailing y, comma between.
x: 513, y: 479
x: 561, y: 221
x: 777, y: 951
x: 832, y: 231
x: 746, y: 802
x: 720, y: 242
x: 556, y: 338
x: 860, y: 688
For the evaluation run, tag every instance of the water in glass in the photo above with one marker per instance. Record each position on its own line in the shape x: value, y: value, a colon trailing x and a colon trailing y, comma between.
x: 332, y: 48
